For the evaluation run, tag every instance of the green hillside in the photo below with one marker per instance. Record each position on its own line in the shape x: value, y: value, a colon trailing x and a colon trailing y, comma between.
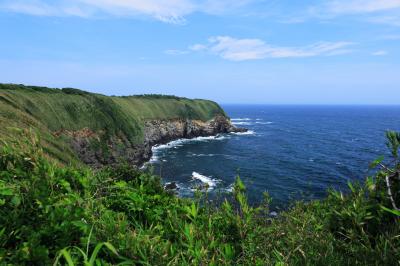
x: 50, y: 110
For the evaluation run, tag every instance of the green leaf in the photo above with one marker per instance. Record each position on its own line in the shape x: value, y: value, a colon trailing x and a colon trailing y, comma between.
x: 67, y: 256
x: 228, y: 251
x: 111, y: 248
x: 16, y: 201
x: 376, y: 162
x: 393, y: 142
x: 370, y: 182
x: 350, y: 185
x: 6, y: 191
x: 97, y: 250
x: 395, y: 212
x: 239, y: 185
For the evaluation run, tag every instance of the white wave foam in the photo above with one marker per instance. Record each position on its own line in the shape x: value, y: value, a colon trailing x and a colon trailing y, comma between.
x: 180, y: 142
x: 218, y: 137
x: 249, y: 132
x: 242, y: 123
x: 205, y: 179
x: 153, y: 159
x: 230, y: 188
x: 201, y: 155
x: 240, y: 119
x: 264, y: 123
x: 166, y: 146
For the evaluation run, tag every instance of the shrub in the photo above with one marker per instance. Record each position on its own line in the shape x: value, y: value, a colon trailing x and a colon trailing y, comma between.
x: 120, y: 215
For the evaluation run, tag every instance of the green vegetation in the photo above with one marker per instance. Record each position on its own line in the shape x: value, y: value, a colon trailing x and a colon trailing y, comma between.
x: 54, y: 213
x: 49, y: 111
x: 72, y: 215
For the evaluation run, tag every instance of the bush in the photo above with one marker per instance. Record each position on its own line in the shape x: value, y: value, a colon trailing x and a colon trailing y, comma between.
x: 52, y: 214
x: 74, y: 91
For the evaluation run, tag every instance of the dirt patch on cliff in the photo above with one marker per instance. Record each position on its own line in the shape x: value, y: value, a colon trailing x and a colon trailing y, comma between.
x: 82, y: 133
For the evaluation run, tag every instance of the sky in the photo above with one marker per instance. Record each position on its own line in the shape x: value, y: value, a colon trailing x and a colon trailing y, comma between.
x: 242, y: 51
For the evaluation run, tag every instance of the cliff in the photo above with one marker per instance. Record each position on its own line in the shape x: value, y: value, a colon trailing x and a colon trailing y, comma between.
x: 77, y: 126
x: 155, y: 132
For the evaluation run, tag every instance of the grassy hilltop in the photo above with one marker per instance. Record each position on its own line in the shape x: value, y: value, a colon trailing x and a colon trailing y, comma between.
x: 50, y: 110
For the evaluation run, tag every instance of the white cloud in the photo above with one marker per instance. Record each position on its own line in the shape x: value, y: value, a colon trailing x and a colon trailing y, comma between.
x: 171, y: 11
x: 292, y: 20
x: 360, y: 6
x: 372, y: 11
x: 387, y: 20
x: 42, y: 8
x: 251, y: 49
x: 198, y: 47
x: 380, y: 53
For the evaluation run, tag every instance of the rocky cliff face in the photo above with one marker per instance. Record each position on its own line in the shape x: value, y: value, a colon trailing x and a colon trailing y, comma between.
x: 96, y: 152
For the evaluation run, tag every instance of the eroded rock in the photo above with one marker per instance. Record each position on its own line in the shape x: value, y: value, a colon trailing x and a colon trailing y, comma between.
x: 94, y: 152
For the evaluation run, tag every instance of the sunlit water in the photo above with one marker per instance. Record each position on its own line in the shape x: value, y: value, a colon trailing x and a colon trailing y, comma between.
x: 293, y: 152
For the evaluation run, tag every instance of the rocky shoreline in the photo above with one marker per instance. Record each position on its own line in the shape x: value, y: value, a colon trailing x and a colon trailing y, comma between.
x: 156, y: 132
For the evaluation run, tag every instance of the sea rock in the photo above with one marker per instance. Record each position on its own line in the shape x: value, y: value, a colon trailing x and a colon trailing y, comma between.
x: 171, y: 186
x: 238, y: 130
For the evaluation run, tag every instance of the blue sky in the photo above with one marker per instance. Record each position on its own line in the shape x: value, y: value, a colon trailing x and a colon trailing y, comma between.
x: 243, y: 51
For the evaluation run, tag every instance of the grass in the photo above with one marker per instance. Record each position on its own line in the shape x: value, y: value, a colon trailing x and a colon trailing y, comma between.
x: 50, y: 110
x: 68, y: 215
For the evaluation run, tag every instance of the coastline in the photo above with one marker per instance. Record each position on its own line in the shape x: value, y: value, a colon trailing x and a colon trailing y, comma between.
x: 159, y: 132
x: 156, y: 132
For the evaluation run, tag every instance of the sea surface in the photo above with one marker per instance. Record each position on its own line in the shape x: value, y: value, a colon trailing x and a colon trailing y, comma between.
x: 292, y: 152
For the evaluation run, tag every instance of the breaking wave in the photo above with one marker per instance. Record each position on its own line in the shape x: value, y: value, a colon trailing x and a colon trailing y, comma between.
x: 240, y: 119
x: 264, y: 123
x: 180, y: 142
x: 242, y: 123
x: 205, y: 179
x: 250, y: 132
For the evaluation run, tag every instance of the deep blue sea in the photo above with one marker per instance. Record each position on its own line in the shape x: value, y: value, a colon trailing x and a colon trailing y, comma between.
x: 293, y: 152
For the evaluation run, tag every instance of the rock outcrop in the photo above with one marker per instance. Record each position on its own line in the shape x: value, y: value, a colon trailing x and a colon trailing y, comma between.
x: 96, y: 152
x: 160, y: 132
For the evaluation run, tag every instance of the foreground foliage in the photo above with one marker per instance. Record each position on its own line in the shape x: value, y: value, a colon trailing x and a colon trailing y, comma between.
x: 62, y: 215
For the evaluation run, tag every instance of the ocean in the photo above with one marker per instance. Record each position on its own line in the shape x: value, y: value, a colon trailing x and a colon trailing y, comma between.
x: 291, y: 152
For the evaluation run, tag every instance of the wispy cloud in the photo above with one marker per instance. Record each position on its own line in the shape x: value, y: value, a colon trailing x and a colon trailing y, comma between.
x: 387, y: 20
x: 360, y: 6
x: 170, y: 11
x: 234, y: 49
x: 41, y: 8
x: 372, y: 11
x: 380, y: 53
x: 198, y: 47
x: 248, y: 49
